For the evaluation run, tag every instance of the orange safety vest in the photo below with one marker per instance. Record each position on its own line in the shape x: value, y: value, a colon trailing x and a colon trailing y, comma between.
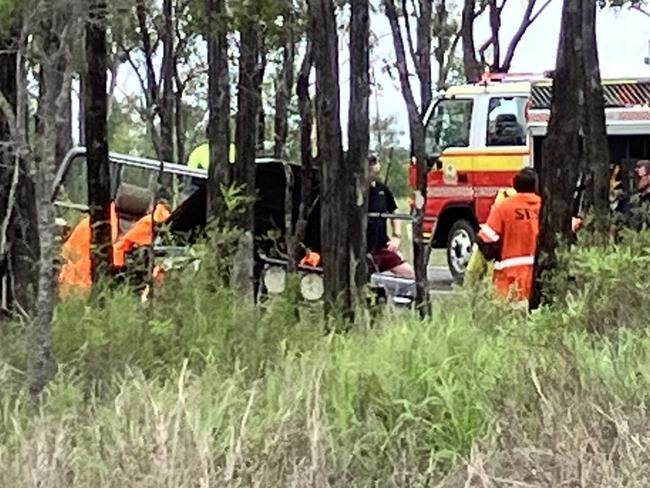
x: 514, y: 225
x: 140, y: 234
x: 75, y: 252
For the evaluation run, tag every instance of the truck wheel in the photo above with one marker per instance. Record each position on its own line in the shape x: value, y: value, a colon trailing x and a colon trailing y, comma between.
x: 459, y: 248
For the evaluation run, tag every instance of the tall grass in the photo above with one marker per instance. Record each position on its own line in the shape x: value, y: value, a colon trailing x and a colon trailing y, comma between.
x: 207, y: 391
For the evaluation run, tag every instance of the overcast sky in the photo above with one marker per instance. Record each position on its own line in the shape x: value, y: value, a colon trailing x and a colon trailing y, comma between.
x: 622, y: 44
x: 623, y: 38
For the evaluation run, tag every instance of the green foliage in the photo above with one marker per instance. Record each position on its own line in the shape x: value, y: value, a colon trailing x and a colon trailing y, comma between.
x: 205, y: 387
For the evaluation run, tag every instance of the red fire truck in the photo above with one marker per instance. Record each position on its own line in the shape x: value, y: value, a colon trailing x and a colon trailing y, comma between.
x: 479, y: 135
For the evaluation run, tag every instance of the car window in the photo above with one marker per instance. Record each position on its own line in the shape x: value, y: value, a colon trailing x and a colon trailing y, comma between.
x: 449, y: 126
x: 506, y: 122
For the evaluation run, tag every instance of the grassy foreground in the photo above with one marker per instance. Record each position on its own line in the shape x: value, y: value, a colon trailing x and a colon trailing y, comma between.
x: 210, y: 392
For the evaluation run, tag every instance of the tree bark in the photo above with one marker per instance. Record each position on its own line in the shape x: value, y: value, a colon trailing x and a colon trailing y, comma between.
x: 56, y: 80
x: 248, y: 106
x: 19, y: 244
x: 219, y: 108
x: 306, y: 169
x: 596, y: 157
x: 424, y: 53
x: 167, y: 81
x: 470, y: 63
x: 98, y: 175
x: 283, y: 90
x: 416, y: 131
x: 575, y: 138
x: 335, y: 201
x: 358, y: 140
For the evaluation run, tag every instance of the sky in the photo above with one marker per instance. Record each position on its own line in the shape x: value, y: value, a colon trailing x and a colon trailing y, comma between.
x: 623, y: 37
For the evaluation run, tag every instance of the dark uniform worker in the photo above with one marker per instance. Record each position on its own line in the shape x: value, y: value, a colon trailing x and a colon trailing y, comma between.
x: 384, y: 249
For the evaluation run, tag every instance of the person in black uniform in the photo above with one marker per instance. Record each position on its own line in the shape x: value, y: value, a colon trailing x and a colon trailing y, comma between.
x: 384, y: 250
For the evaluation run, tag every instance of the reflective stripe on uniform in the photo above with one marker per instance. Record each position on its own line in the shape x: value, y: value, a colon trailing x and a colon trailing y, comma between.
x: 489, y: 233
x: 512, y: 262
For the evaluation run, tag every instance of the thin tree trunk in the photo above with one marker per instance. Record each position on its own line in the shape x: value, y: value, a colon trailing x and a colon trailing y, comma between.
x: 248, y: 107
x: 99, y: 194
x: 424, y: 53
x: 81, y: 117
x: 167, y: 104
x: 179, y: 114
x: 495, y: 27
x: 219, y: 108
x: 563, y: 148
x: 596, y: 160
x: 283, y: 90
x: 335, y: 199
x: 416, y: 130
x: 306, y: 169
x: 259, y: 79
x: 358, y: 140
x: 54, y: 90
x: 470, y: 63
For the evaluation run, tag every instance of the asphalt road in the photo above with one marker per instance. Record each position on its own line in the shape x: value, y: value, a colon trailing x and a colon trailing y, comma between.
x: 439, y: 278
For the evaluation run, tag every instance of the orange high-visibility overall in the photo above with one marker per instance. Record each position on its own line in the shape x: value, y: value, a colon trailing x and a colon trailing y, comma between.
x: 140, y: 234
x: 514, y: 225
x: 75, y: 272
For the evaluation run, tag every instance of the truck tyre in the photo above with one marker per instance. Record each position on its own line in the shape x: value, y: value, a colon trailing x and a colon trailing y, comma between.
x: 459, y: 248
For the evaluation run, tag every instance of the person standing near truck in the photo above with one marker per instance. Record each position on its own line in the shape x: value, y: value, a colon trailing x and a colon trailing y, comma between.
x: 509, y: 237
x: 384, y: 250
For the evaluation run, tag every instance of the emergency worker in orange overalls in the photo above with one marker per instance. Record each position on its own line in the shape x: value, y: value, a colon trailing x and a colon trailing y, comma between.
x: 509, y: 237
x: 75, y: 272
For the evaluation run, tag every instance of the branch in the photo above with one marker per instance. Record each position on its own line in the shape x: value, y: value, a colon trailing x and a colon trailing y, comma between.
x: 8, y: 113
x: 541, y: 9
x: 400, y: 55
x: 11, y: 202
x: 152, y: 85
x: 526, y: 22
x: 639, y: 8
x: 409, y: 36
x: 444, y: 70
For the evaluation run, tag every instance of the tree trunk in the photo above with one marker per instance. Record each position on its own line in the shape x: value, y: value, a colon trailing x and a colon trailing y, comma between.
x: 248, y: 107
x: 470, y: 63
x: 306, y: 124
x: 19, y: 244
x: 283, y: 91
x: 259, y: 79
x: 96, y: 102
x: 81, y: 117
x: 335, y: 201
x: 219, y: 108
x: 424, y: 53
x: 416, y: 130
x: 596, y: 157
x: 179, y: 125
x: 167, y: 104
x: 564, y: 146
x: 64, y: 128
x: 55, y: 79
x: 358, y: 140
x: 9, y: 169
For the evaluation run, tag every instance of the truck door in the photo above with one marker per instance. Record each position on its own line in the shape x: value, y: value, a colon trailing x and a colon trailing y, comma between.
x: 504, y: 148
x: 448, y: 141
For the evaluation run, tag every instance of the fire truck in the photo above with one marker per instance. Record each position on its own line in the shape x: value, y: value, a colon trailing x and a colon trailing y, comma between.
x: 477, y: 136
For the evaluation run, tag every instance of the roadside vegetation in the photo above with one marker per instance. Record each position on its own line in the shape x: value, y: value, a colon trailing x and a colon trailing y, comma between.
x: 201, y: 390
